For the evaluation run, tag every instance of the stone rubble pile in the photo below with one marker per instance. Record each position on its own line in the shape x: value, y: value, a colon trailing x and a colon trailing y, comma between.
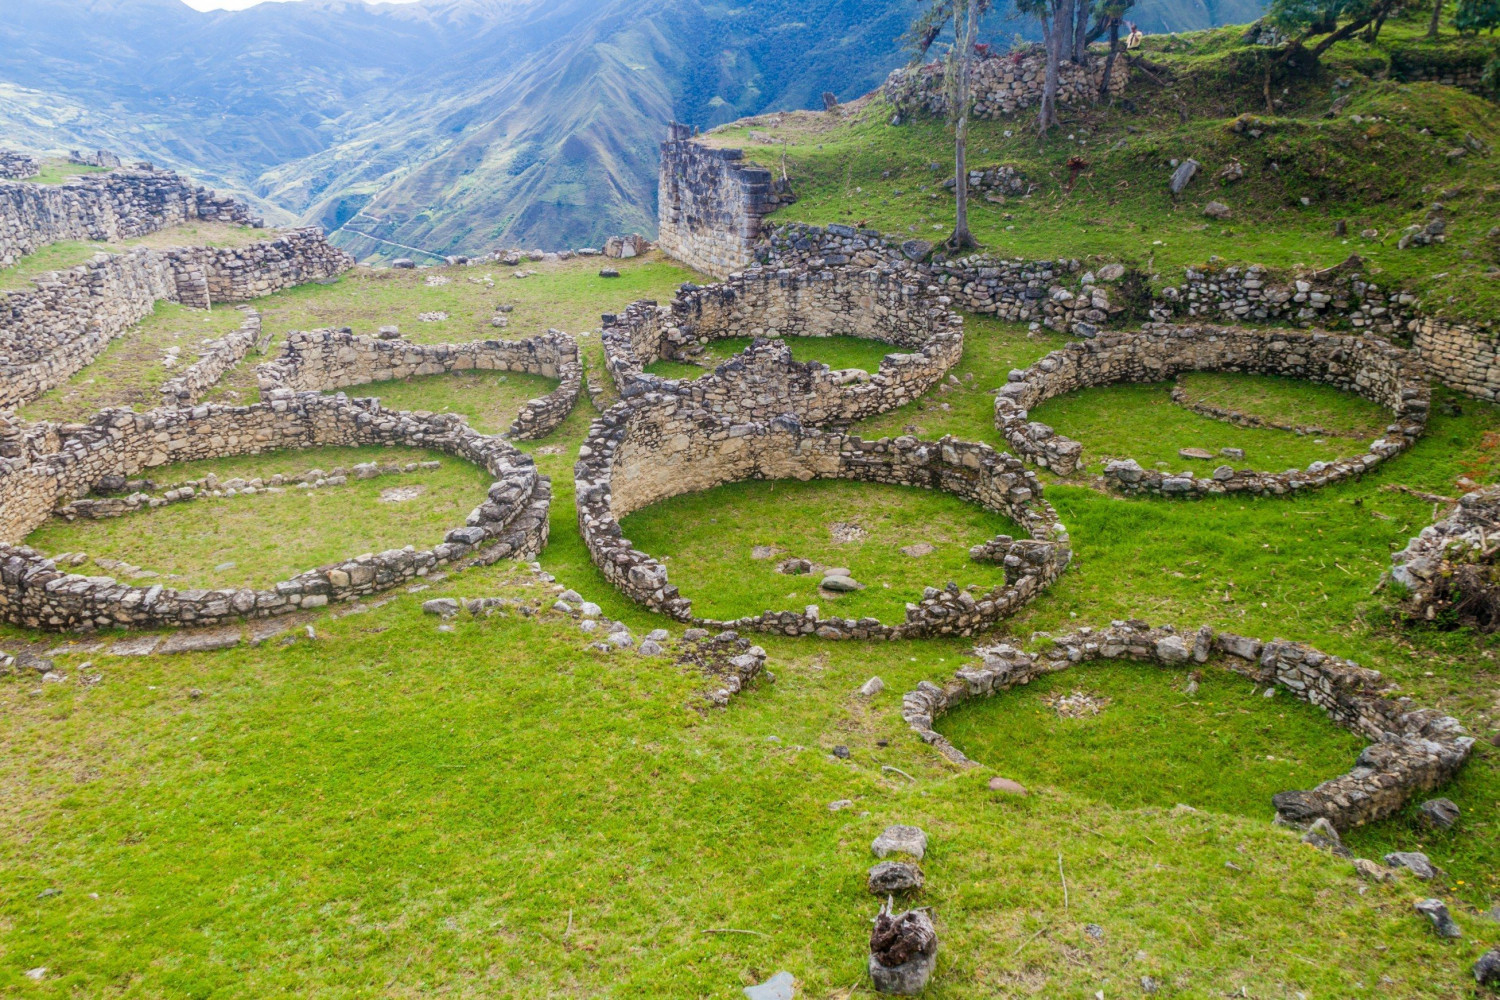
x: 1415, y: 750
x: 1367, y: 366
x: 18, y: 166
x: 325, y: 360
x: 216, y: 358
x: 1450, y: 565
x: 35, y: 593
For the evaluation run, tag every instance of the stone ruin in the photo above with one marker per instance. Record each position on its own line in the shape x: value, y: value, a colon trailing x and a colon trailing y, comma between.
x: 1367, y: 366
x: 215, y: 358
x: 101, y: 158
x: 48, y: 466
x: 869, y: 305
x: 1448, y: 571
x: 1003, y: 83
x: 120, y: 205
x: 660, y: 446
x: 323, y: 360
x: 1414, y: 750
x: 18, y: 166
x: 52, y: 332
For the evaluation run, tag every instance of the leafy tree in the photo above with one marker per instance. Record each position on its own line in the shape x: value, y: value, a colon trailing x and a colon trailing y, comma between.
x: 1108, y: 16
x: 1474, y: 16
x: 1304, y: 20
x: 963, y: 17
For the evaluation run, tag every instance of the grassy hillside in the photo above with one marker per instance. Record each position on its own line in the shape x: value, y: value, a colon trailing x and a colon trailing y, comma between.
x: 1352, y: 144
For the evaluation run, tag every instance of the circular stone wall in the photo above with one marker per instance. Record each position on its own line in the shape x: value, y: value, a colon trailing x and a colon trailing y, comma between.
x: 1367, y: 366
x: 762, y: 382
x: 324, y: 360
x: 46, y: 466
x: 640, y: 453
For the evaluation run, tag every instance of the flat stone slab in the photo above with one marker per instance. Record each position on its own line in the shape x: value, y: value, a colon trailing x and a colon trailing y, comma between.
x: 917, y: 550
x: 1007, y: 786
x: 900, y: 840
x: 201, y: 642
x: 779, y: 987
x: 140, y: 645
x: 1203, y: 453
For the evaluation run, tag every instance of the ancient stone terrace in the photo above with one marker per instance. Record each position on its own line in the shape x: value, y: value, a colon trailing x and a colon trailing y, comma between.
x: 764, y: 381
x: 659, y: 446
x: 1004, y: 83
x: 50, y: 465
x: 1415, y: 750
x: 323, y: 360
x: 1367, y: 366
x: 119, y: 205
x: 18, y: 166
x: 52, y: 332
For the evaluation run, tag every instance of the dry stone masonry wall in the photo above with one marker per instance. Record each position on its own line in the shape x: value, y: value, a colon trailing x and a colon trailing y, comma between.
x: 1451, y: 564
x: 1367, y: 366
x: 1003, y: 84
x: 323, y: 360
x: 712, y: 203
x: 218, y: 356
x: 50, y: 333
x: 1414, y: 750
x: 119, y: 205
x: 764, y: 381
x: 18, y: 166
x: 35, y: 593
x: 660, y: 446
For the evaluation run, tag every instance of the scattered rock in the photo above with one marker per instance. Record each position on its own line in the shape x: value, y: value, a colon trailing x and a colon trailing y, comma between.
x: 1323, y: 836
x: 841, y: 752
x: 1094, y: 931
x: 1183, y: 175
x: 794, y: 567
x: 1238, y: 454
x: 779, y: 987
x: 1436, y: 911
x: 1076, y: 704
x: 1487, y: 969
x: 838, y: 804
x: 917, y: 550
x: 1217, y: 210
x: 841, y: 584
x: 903, y: 952
x: 1373, y: 872
x: 38, y: 974
x: 1007, y: 787
x: 846, y: 533
x: 900, y: 840
x: 763, y: 551
x: 404, y: 264
x: 649, y: 647
x: 609, y: 272
x: 1202, y: 453
x: 445, y: 606
x: 1441, y: 814
x: 1149, y: 985
x: 1111, y: 272
x: 894, y: 877
x: 1414, y: 861
x: 872, y: 687
x: 659, y: 635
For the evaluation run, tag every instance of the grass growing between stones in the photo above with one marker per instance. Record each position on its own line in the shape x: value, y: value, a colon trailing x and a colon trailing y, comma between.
x: 1141, y: 421
x: 131, y: 371
x: 707, y: 540
x: 270, y: 537
x: 837, y: 352
x: 1224, y: 748
x: 489, y: 399
x: 70, y: 253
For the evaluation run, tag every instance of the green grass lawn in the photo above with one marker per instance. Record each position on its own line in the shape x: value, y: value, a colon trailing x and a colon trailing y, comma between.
x: 706, y: 541
x: 271, y: 537
x: 57, y: 171
x: 1224, y: 748
x: 1141, y: 421
x: 837, y: 352
x: 1288, y: 401
x: 489, y: 399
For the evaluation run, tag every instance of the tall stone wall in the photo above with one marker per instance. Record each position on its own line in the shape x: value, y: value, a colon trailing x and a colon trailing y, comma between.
x: 119, y: 205
x: 765, y: 381
x: 50, y: 333
x: 711, y: 204
x: 510, y: 522
x: 336, y: 359
x: 1003, y: 83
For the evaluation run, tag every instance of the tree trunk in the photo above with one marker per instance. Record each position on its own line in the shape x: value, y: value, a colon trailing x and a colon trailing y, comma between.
x: 1053, y: 32
x: 1109, y: 63
x: 1437, y: 19
x: 1080, y: 50
x: 962, y: 238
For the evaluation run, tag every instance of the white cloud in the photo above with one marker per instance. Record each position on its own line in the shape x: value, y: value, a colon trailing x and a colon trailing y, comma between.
x: 242, y: 4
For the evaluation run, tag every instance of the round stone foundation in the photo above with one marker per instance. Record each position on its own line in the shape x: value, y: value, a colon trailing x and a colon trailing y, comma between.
x: 1367, y: 366
x: 47, y: 466
x: 655, y: 448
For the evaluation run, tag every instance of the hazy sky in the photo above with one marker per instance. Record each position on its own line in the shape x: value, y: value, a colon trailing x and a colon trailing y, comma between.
x: 242, y: 4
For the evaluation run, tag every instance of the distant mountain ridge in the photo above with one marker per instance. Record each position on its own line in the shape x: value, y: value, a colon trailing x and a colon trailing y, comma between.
x: 449, y: 125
